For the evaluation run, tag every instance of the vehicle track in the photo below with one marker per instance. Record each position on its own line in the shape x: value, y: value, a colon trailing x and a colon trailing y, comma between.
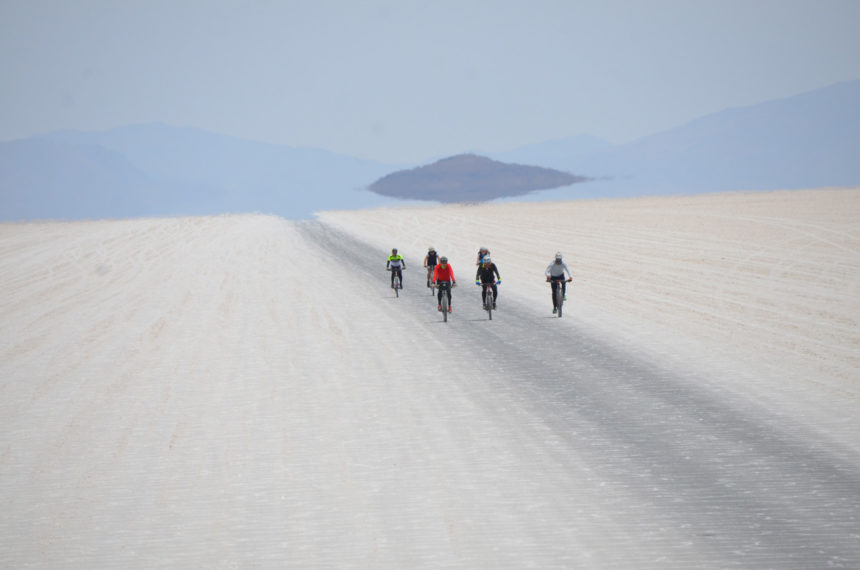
x: 745, y: 487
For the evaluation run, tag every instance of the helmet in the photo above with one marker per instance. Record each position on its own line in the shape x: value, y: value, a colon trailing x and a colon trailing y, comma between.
x: 443, y: 259
x: 483, y: 248
x: 431, y: 248
x: 394, y: 250
x: 487, y: 259
x: 558, y: 256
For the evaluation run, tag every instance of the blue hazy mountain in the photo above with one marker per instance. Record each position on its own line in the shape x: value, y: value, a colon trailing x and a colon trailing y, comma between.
x: 156, y: 169
x: 809, y: 140
x: 558, y: 154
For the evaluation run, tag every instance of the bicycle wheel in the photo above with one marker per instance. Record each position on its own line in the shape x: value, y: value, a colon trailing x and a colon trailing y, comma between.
x: 489, y: 298
x: 445, y: 306
x: 559, y: 298
x: 396, y: 286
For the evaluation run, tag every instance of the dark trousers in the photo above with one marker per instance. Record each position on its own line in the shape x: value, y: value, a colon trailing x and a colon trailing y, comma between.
x: 484, y: 291
x: 443, y: 287
x: 399, y: 273
x: 555, y: 283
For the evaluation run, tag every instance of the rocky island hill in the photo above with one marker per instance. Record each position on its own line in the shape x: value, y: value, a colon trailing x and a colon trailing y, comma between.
x: 470, y: 178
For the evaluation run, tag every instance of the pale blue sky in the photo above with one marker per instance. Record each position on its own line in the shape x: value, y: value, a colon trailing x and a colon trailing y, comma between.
x: 402, y: 81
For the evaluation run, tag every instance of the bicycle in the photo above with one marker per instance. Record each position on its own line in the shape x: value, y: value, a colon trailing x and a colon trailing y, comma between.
x: 396, y: 284
x: 558, y: 292
x: 430, y: 279
x: 488, y: 298
x: 444, y: 288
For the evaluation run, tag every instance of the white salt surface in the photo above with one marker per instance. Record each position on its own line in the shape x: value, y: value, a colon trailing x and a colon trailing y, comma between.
x: 763, y: 286
x: 245, y: 391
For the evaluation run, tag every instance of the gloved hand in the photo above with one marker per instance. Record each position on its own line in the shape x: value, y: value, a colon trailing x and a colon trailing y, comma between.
x: 477, y: 282
x: 499, y: 282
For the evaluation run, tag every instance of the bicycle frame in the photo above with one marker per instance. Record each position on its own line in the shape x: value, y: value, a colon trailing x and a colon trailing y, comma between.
x: 444, y: 288
x: 430, y: 279
x: 488, y: 298
x: 397, y: 280
x: 557, y: 286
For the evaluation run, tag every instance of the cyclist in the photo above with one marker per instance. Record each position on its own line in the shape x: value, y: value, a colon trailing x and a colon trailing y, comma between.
x: 555, y: 275
x: 395, y: 264
x: 481, y: 253
x: 488, y: 273
x: 430, y: 263
x: 443, y: 279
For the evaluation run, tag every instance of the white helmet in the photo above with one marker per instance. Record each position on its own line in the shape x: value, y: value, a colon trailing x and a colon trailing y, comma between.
x: 558, y: 255
x: 487, y: 259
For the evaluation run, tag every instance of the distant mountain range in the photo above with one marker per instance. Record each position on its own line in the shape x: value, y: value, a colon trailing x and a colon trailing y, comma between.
x: 470, y: 178
x: 806, y: 141
x: 809, y: 140
x: 148, y: 170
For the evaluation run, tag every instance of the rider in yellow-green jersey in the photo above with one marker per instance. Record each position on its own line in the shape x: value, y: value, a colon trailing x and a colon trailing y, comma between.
x: 396, y: 264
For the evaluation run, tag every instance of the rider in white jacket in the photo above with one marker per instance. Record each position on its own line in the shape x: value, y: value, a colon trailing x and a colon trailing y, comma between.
x: 555, y: 274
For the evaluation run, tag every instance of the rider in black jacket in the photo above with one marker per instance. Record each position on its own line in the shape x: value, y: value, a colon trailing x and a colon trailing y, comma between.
x: 488, y: 273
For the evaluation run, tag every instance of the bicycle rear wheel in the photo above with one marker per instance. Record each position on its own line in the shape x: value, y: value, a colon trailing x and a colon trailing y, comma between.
x: 445, y: 306
x: 396, y: 286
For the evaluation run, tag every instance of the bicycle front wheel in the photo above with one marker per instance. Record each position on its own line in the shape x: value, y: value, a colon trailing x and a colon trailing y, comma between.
x: 559, y: 298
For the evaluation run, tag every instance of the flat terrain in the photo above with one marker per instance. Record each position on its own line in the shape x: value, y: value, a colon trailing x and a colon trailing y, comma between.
x: 245, y: 391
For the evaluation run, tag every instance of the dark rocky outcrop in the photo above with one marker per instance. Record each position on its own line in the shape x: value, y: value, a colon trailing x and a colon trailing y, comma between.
x: 470, y: 178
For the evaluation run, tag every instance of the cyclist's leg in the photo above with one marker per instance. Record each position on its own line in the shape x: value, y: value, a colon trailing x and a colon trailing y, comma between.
x: 495, y: 293
x: 400, y: 276
x: 553, y: 289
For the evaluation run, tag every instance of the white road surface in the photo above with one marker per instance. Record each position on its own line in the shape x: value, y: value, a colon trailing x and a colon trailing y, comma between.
x: 246, y: 392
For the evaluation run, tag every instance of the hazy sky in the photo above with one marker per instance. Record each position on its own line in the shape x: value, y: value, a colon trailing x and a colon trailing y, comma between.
x: 403, y: 81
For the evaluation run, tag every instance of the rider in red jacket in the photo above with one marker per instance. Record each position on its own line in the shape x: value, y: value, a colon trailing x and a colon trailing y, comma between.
x: 443, y: 279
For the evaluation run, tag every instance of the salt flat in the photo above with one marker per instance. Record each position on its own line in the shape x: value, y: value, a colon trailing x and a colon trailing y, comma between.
x: 763, y: 284
x: 245, y: 391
